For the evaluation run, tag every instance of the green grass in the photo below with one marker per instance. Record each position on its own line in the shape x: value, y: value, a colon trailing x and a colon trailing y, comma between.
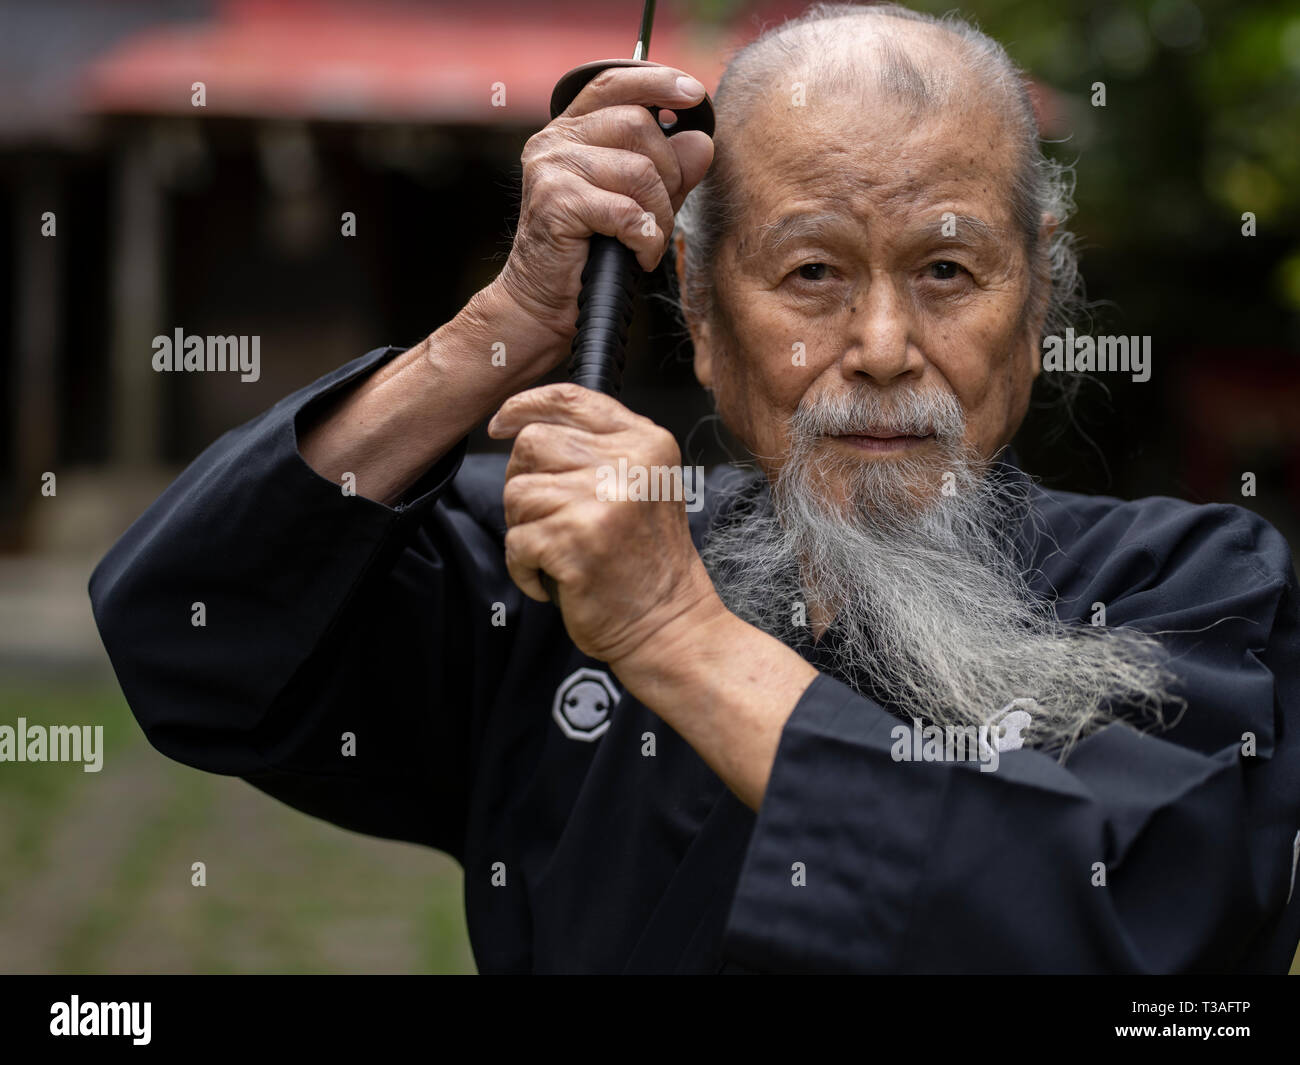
x: 34, y: 794
x: 95, y: 868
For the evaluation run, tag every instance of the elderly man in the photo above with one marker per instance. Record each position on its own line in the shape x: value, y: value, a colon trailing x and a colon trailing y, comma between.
x: 735, y: 740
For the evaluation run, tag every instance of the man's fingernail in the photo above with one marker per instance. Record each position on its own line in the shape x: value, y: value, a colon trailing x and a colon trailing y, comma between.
x: 689, y: 87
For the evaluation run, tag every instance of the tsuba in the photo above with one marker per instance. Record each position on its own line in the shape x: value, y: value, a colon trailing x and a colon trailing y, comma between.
x: 567, y: 88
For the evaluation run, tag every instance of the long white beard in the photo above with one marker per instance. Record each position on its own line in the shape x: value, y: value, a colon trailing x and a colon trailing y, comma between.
x: 919, y: 569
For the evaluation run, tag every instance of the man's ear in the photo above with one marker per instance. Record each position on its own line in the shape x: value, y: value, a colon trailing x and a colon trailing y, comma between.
x: 1044, y: 280
x: 700, y: 338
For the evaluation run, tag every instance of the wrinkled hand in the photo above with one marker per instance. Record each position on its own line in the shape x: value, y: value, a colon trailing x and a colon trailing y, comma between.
x: 603, y: 166
x: 625, y: 569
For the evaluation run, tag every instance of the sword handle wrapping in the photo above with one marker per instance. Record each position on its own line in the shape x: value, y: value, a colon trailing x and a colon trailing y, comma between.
x: 605, y: 305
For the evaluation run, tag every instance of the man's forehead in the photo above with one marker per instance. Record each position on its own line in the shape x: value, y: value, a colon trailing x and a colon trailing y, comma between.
x: 882, y: 164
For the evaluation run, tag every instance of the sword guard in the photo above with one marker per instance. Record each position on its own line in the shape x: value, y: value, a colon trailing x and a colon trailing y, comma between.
x: 567, y: 88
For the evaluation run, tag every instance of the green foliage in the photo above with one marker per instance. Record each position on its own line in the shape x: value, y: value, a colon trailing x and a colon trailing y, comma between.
x: 1201, y: 124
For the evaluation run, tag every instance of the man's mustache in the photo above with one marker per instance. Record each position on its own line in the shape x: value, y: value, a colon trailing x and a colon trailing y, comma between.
x: 867, y: 412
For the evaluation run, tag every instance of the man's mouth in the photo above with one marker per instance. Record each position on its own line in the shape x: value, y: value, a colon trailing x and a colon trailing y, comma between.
x: 883, y: 441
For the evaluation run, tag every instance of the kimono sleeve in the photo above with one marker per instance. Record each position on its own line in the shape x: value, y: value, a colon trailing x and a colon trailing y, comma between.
x: 265, y: 623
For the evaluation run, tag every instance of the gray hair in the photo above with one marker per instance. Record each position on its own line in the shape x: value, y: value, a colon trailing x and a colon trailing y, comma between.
x: 1040, y: 185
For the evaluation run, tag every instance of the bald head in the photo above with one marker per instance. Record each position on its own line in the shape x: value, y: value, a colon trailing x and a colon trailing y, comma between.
x: 843, y: 51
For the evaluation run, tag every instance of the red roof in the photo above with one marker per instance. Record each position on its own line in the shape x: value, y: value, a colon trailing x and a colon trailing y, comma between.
x: 320, y: 59
x: 433, y: 61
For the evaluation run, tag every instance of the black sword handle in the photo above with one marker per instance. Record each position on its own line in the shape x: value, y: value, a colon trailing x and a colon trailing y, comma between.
x: 612, y: 275
x: 609, y: 285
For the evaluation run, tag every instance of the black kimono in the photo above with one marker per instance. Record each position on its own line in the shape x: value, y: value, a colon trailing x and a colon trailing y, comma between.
x: 479, y: 729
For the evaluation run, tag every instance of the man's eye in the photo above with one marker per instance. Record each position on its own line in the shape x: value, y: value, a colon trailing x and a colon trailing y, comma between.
x: 944, y: 270
x: 813, y: 271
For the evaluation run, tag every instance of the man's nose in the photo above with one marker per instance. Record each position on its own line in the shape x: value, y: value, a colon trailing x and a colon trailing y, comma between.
x: 879, y: 336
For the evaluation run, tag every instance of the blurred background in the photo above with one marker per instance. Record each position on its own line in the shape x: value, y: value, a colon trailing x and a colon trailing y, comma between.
x: 126, y: 211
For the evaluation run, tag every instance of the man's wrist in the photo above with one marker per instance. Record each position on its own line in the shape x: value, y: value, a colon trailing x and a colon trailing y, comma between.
x: 676, y: 650
x: 724, y: 686
x: 496, y: 335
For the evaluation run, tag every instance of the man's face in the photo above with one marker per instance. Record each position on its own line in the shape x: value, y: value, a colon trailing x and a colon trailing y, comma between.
x: 900, y: 270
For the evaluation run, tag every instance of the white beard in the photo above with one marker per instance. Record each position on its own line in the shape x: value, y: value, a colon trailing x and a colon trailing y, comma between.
x: 919, y: 570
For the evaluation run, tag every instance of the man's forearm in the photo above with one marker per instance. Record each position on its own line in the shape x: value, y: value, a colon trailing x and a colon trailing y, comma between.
x: 726, y: 687
x: 398, y: 422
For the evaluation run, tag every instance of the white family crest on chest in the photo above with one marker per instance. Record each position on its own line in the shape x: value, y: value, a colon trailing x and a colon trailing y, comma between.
x: 583, y: 704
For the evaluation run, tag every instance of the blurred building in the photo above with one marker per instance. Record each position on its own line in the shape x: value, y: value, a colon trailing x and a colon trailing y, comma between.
x: 188, y: 165
x: 195, y: 160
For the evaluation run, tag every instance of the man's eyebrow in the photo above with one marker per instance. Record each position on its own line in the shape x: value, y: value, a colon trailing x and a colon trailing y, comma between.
x: 964, y: 229
x: 768, y: 239
x: 822, y: 227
